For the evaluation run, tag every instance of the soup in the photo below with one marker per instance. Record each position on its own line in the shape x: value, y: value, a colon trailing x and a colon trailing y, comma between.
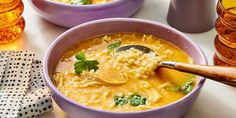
x: 82, y: 2
x: 89, y: 72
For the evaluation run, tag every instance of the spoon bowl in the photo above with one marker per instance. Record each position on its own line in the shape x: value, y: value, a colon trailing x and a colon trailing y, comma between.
x: 137, y: 47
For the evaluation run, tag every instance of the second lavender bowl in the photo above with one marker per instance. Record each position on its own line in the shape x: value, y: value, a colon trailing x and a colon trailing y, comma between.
x: 82, y: 32
x: 67, y: 15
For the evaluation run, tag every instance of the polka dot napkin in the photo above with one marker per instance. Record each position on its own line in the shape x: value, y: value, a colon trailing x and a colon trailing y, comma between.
x: 23, y: 91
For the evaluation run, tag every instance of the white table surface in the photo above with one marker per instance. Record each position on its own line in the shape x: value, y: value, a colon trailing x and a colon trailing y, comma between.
x: 215, y: 101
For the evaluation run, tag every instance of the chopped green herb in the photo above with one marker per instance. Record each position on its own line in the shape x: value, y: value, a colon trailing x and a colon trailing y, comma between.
x: 80, y: 2
x: 120, y: 100
x: 186, y: 88
x: 134, y: 100
x: 114, y: 45
x: 82, y: 64
x: 137, y: 100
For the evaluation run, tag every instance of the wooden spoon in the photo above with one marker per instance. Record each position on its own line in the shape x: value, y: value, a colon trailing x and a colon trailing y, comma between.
x: 226, y: 75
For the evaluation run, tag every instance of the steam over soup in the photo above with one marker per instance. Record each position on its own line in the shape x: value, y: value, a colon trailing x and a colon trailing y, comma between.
x: 86, y: 73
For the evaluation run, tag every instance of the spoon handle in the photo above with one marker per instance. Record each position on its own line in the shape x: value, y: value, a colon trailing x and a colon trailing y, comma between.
x: 226, y: 75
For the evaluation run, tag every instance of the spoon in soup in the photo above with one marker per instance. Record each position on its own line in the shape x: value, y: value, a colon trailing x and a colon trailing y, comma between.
x: 226, y: 75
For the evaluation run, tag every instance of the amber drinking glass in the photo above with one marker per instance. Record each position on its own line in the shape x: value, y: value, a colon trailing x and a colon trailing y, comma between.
x: 218, y: 61
x: 225, y: 53
x: 12, y: 23
x: 225, y: 41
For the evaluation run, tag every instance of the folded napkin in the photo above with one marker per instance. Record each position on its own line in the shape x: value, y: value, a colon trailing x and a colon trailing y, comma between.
x: 23, y: 91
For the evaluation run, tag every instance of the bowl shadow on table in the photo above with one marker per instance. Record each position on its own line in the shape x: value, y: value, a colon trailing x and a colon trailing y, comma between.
x: 50, y: 25
x: 135, y: 13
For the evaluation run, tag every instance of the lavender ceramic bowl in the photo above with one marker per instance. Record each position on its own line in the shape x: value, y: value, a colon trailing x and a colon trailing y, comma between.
x: 84, y: 31
x: 71, y: 15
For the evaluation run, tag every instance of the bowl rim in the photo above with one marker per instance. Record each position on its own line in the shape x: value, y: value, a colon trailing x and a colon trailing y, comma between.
x: 90, y: 6
x: 200, y: 83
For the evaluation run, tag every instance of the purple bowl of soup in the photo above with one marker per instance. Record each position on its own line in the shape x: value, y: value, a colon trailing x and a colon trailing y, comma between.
x: 85, y: 31
x: 68, y: 15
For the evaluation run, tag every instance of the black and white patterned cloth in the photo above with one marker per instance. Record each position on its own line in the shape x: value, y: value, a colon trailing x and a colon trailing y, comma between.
x: 23, y: 91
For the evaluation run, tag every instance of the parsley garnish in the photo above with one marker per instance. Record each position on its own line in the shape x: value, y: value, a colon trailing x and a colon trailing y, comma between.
x: 82, y: 64
x: 134, y: 100
x: 137, y: 100
x: 114, y: 45
x: 80, y: 56
x: 186, y: 88
x: 120, y: 100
